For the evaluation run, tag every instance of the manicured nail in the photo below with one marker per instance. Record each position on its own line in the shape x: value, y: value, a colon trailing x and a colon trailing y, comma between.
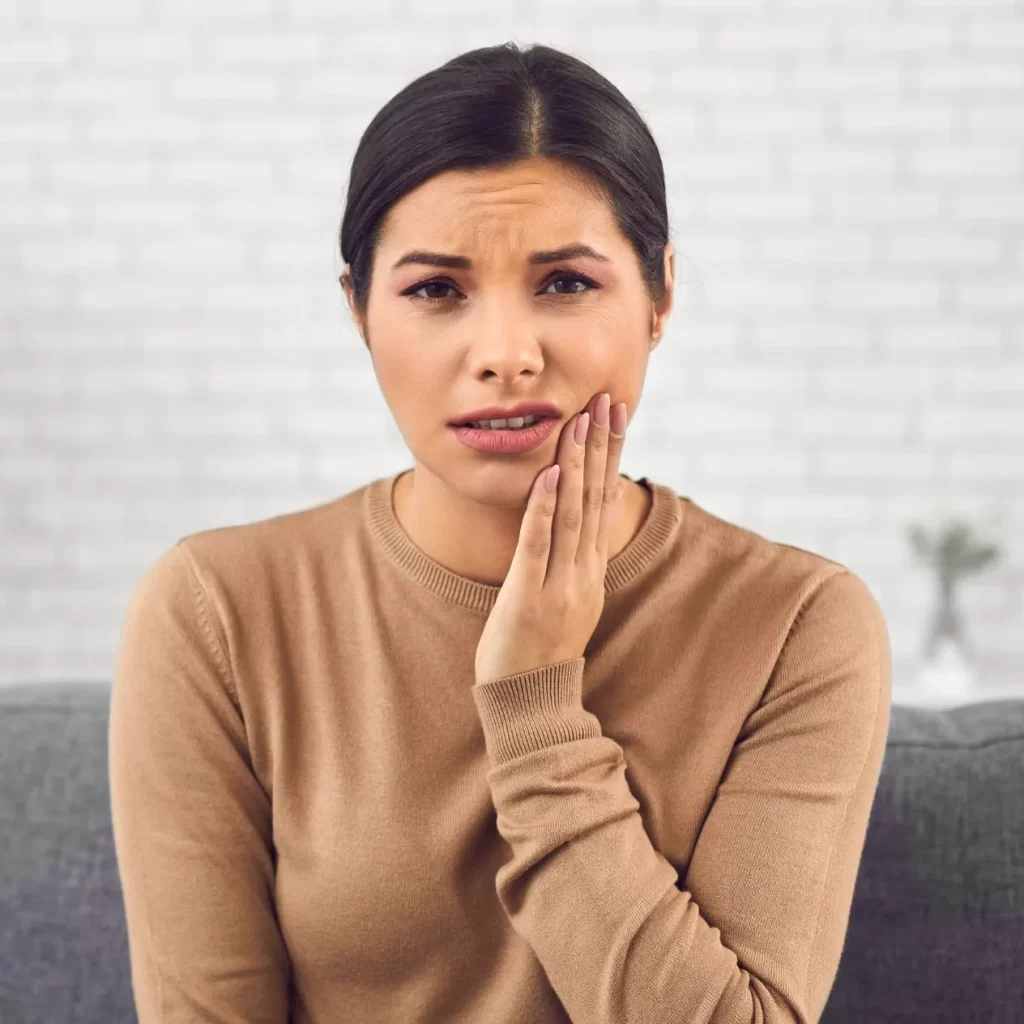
x: 601, y: 409
x: 618, y: 418
x: 581, y: 428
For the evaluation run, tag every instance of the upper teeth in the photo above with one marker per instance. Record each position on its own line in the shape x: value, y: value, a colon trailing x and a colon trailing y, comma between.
x: 515, y: 421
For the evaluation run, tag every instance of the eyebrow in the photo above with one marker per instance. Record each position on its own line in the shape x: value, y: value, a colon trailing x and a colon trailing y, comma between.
x: 440, y: 259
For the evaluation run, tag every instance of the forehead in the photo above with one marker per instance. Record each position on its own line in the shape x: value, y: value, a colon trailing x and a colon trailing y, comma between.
x: 501, y: 208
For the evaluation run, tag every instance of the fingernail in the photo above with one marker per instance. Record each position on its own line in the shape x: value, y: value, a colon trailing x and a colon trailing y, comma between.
x: 581, y: 428
x: 601, y: 409
x: 618, y: 418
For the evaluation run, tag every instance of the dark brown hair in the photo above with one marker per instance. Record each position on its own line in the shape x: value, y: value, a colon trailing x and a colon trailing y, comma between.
x: 494, y: 106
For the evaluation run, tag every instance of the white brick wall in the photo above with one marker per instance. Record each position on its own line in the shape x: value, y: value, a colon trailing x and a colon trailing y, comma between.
x: 846, y: 355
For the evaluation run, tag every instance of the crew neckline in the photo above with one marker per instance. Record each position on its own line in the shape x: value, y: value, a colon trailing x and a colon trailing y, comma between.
x: 662, y: 518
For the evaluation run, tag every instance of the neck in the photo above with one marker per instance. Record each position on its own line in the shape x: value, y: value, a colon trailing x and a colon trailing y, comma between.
x: 478, y: 539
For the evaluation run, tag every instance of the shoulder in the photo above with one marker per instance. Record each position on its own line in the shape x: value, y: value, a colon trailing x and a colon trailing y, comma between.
x: 228, y: 577
x: 743, y: 560
x: 273, y: 549
x: 797, y: 593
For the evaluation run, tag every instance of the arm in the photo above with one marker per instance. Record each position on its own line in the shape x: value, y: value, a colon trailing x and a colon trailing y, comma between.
x: 754, y: 933
x: 191, y: 822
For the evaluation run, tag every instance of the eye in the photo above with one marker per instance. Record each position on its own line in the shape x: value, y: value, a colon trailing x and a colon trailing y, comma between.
x: 435, y: 283
x: 440, y: 282
x: 575, y: 279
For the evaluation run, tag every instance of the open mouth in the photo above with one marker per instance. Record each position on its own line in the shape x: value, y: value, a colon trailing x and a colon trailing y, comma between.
x: 507, y: 440
x: 513, y: 424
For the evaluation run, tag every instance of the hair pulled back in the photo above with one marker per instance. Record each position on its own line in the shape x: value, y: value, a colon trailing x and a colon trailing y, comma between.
x: 491, y: 107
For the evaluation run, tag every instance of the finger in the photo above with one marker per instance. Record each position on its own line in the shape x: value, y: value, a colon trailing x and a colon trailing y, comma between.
x: 597, y: 497
x: 612, y: 484
x: 565, y: 537
x: 530, y: 560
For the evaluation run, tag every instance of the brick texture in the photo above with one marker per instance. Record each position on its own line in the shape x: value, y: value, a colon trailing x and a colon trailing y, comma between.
x: 846, y: 355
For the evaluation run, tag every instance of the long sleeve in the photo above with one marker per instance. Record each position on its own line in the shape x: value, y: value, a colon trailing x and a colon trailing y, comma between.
x: 191, y: 822
x: 754, y: 932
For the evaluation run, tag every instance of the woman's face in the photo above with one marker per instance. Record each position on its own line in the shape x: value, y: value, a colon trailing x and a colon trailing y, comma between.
x: 446, y: 341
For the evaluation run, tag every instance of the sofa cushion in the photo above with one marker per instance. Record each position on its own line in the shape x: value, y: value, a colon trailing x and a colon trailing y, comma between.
x: 937, y: 923
x: 63, y: 943
x: 936, y: 928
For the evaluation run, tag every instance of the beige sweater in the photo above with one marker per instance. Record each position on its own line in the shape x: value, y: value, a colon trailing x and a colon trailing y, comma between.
x: 320, y: 817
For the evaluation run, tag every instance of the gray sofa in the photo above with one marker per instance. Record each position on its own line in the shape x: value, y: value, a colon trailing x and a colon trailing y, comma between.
x: 936, y: 931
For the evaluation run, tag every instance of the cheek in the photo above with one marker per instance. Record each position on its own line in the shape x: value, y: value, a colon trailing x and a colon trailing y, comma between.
x: 622, y: 360
x: 416, y: 390
x: 625, y: 381
x: 396, y: 378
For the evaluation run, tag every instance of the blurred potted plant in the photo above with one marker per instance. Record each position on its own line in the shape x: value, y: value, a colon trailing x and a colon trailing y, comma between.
x: 948, y: 670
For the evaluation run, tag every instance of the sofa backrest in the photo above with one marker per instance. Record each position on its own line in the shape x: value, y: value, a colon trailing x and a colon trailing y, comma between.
x: 936, y: 930
x: 937, y: 924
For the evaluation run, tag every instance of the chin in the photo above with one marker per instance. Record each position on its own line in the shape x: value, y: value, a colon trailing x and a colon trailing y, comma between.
x: 501, y: 486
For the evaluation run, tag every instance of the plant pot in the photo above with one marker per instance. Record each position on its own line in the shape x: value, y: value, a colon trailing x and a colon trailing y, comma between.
x: 947, y: 676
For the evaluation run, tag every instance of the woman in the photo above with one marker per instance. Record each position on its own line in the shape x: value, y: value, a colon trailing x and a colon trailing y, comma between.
x: 457, y: 747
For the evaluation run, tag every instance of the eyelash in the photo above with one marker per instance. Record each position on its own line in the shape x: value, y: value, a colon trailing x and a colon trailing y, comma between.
x: 591, y: 286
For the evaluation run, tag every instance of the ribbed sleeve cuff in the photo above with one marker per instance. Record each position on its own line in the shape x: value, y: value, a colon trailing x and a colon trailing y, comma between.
x: 533, y: 710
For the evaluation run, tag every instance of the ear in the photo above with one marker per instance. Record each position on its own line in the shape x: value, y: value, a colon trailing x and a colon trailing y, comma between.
x: 346, y: 285
x: 662, y: 310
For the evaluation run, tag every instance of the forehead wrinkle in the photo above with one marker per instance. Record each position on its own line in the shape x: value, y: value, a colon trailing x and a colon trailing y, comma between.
x: 487, y: 226
x: 481, y: 219
x: 552, y: 194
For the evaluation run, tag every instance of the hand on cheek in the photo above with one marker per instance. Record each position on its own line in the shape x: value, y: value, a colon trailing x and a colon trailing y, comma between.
x: 553, y: 596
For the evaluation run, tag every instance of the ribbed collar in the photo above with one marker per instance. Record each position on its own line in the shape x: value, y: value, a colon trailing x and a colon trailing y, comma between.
x: 663, y: 517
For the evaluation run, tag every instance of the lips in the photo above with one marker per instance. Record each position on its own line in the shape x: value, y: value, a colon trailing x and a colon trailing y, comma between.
x: 508, y: 442
x: 508, y: 416
x: 542, y: 410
